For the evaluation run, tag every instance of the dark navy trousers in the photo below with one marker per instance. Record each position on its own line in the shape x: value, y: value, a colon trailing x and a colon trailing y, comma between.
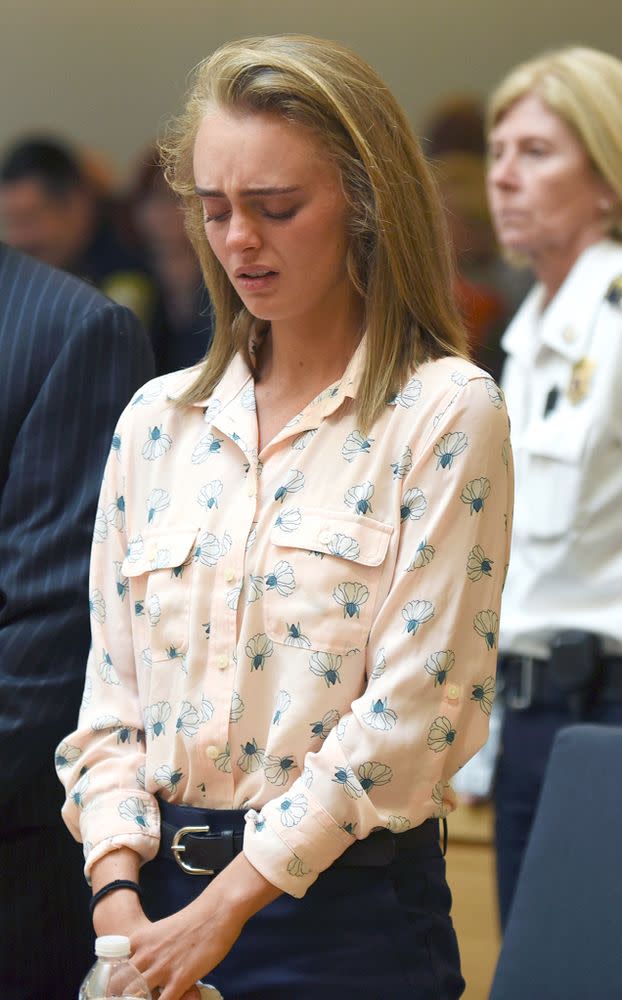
x: 382, y: 933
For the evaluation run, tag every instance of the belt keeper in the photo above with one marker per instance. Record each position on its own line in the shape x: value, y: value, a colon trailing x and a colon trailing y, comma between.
x: 119, y: 883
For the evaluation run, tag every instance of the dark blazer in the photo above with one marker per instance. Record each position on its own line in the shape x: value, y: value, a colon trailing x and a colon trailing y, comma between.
x: 69, y: 361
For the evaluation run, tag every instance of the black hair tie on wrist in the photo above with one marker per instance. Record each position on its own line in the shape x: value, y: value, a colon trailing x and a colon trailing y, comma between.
x: 119, y: 883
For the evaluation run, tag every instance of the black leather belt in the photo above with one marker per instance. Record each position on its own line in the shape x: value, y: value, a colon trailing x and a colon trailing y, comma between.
x: 525, y: 681
x: 204, y: 841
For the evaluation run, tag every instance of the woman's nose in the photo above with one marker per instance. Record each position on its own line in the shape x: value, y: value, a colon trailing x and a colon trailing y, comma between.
x: 243, y: 232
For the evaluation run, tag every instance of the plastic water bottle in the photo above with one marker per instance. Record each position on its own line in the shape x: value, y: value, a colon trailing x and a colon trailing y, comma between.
x: 113, y: 975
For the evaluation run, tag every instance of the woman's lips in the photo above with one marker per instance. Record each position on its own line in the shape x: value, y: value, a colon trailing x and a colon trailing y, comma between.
x: 256, y: 280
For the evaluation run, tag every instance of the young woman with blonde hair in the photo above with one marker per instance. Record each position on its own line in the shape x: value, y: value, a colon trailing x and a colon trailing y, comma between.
x: 298, y: 564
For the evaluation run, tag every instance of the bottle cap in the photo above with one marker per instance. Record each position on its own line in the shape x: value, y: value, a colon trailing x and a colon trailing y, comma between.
x: 112, y: 946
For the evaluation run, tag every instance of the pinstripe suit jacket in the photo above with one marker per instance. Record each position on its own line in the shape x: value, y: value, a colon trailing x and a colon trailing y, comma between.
x: 69, y: 361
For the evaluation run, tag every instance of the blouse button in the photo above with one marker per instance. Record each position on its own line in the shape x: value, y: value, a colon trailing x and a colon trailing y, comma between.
x: 229, y: 575
x: 222, y: 661
x: 212, y: 752
x: 324, y: 537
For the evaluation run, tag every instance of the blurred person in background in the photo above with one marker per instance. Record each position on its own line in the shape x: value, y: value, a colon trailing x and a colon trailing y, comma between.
x: 555, y: 188
x: 182, y: 324
x: 487, y: 290
x: 71, y: 359
x: 51, y: 209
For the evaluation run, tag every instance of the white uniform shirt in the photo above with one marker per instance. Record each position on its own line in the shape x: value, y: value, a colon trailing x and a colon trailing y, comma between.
x: 566, y: 566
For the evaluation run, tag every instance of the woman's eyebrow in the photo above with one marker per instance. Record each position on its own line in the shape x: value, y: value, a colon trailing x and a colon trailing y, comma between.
x: 246, y: 192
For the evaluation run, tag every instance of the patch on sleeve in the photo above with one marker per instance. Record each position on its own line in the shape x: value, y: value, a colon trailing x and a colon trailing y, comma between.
x: 614, y: 292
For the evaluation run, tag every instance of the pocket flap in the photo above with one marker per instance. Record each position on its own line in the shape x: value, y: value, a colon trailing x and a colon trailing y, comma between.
x: 152, y: 550
x: 357, y: 539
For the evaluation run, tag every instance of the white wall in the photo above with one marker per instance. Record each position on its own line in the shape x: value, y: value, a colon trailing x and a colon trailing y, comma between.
x: 107, y: 72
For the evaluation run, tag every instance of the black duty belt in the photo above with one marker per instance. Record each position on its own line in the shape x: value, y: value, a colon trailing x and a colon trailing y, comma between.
x: 527, y: 681
x: 204, y: 841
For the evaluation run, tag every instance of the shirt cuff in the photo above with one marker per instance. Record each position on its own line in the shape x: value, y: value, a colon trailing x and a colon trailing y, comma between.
x: 292, y: 840
x: 121, y: 820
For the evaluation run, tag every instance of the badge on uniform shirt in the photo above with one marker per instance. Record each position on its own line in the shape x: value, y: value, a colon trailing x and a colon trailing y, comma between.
x: 580, y: 381
x: 614, y: 292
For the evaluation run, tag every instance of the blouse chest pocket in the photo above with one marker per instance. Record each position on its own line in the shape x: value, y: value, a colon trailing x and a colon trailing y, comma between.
x: 552, y: 472
x: 159, y: 567
x: 323, y: 588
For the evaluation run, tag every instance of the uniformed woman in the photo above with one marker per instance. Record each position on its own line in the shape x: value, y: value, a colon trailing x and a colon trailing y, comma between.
x: 555, y: 188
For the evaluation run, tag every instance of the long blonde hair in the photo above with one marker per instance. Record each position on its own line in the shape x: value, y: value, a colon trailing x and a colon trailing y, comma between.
x: 584, y: 88
x: 398, y: 258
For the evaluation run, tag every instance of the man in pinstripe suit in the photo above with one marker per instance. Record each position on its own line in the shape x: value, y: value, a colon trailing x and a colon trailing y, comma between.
x: 69, y: 361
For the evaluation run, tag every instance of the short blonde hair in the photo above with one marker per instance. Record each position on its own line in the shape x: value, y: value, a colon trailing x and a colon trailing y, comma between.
x: 584, y: 88
x: 398, y: 257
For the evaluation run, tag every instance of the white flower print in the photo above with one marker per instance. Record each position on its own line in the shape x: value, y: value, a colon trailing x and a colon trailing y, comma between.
x: 494, y: 393
x: 237, y: 708
x: 207, y: 446
x: 157, y: 444
x: 398, y: 824
x: 156, y: 717
x: 97, y: 606
x: 255, y: 588
x: 379, y: 666
x: 77, y: 792
x: 66, y: 754
x: 153, y: 610
x: 101, y: 526
x: 293, y: 484
x: 106, y: 722
x: 441, y: 735
x: 223, y: 760
x: 106, y: 669
x: 355, y: 444
x: 283, y: 701
x: 122, y: 582
x: 301, y: 442
x: 187, y: 720
x: 207, y: 709
x: 439, y: 664
x: 207, y: 550
x: 359, y: 498
x: 307, y: 777
x: 251, y: 758
x: 416, y: 613
x: 484, y: 694
x: 115, y: 513
x: 148, y: 394
x: 344, y: 546
x: 258, y: 649
x: 135, y: 811
x: 326, y: 665
x: 324, y: 725
x: 158, y: 500
x: 459, y: 378
x: 293, y: 809
x: 438, y: 798
x: 208, y: 494
x: 373, y: 773
x: 380, y: 717
x: 87, y: 693
x: 409, y: 394
x: 423, y: 556
x: 281, y: 579
x: 279, y: 770
x: 135, y: 548
x: 168, y: 777
x: 413, y: 506
x: 289, y: 520
x: 296, y: 637
x: 351, y: 596
x: 252, y: 537
x: 297, y: 868
x: 486, y: 624
x: 232, y: 598
x: 247, y: 399
x: 345, y: 777
x: 478, y: 564
x: 404, y: 465
x: 212, y: 409
x: 475, y: 493
x: 448, y: 447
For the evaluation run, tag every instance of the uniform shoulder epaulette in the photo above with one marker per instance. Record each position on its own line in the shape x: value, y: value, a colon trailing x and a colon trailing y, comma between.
x: 614, y: 292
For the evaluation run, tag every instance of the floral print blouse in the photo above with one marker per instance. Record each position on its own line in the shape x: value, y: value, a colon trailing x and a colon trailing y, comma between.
x: 308, y: 633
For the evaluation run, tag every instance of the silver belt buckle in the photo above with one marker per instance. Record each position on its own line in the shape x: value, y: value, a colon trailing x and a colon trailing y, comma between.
x: 178, y: 848
x: 519, y: 702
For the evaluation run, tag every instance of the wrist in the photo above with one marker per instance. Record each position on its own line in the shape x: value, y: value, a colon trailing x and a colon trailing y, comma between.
x: 118, y: 910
